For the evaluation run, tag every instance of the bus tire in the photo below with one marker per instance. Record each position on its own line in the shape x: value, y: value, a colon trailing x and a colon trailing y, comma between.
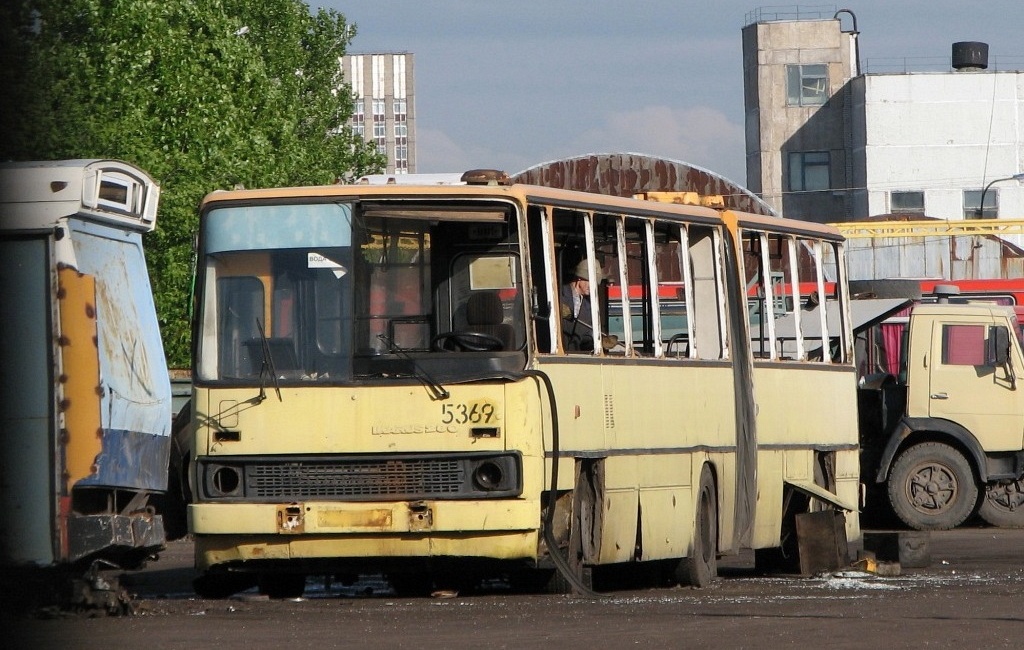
x: 1003, y: 504
x: 932, y: 487
x: 701, y: 567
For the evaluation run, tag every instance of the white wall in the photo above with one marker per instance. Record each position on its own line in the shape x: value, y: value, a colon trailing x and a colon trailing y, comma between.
x: 943, y: 133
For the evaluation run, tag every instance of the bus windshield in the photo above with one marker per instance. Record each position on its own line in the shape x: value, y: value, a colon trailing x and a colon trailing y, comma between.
x: 336, y: 292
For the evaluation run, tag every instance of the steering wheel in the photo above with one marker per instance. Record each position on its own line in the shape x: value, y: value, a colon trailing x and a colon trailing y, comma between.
x: 466, y: 342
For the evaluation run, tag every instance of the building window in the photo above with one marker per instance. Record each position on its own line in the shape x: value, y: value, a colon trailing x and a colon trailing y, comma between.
x: 906, y: 202
x: 359, y: 118
x: 808, y: 171
x: 972, y: 201
x: 401, y: 159
x: 378, y: 122
x: 401, y: 127
x: 806, y: 85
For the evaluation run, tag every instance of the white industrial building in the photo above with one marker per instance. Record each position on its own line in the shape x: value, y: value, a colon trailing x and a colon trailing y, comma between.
x: 929, y: 143
x: 829, y: 142
x: 832, y: 140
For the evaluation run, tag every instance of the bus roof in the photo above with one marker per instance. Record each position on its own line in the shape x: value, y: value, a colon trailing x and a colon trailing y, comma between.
x: 571, y: 199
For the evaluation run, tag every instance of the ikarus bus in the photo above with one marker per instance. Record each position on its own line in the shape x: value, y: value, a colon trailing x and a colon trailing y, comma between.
x: 438, y: 383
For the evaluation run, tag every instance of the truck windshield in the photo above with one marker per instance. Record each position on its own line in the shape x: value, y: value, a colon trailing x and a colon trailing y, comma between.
x: 342, y: 292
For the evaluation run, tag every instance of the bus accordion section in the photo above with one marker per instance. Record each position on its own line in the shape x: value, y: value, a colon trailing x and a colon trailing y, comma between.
x: 85, y: 408
x: 450, y: 383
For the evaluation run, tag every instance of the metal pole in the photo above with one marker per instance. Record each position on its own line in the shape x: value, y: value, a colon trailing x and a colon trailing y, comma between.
x: 981, y: 204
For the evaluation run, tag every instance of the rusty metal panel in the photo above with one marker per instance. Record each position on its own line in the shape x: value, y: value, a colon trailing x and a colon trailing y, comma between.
x: 822, y: 543
x: 888, y: 247
x: 134, y: 388
x: 626, y: 174
x: 949, y: 258
x: 79, y: 388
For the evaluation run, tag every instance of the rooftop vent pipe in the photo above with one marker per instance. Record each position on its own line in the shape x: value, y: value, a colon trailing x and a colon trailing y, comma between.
x: 970, y: 55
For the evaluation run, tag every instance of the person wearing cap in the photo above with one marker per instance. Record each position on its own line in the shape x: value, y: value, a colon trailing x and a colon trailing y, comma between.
x: 577, y: 328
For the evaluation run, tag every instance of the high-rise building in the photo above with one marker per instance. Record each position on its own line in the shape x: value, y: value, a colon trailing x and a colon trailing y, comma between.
x: 384, y: 110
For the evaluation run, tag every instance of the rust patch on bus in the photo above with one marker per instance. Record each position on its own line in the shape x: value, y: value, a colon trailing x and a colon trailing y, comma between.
x: 627, y: 174
x: 421, y: 517
x: 380, y: 519
x: 290, y: 519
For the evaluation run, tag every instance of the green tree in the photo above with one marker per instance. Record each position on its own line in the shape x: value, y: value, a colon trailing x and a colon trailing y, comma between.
x: 202, y: 95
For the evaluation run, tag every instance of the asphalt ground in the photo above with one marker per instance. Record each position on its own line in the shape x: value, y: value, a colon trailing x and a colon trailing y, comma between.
x: 969, y: 596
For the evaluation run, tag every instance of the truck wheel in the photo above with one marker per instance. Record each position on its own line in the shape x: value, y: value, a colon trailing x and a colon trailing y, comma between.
x: 932, y: 487
x: 701, y: 567
x: 1003, y: 505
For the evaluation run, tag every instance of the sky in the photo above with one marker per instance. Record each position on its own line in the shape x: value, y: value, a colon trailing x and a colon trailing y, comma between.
x: 510, y: 85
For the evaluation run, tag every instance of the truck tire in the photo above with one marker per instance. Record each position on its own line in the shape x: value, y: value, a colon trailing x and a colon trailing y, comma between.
x: 932, y: 487
x: 1003, y: 504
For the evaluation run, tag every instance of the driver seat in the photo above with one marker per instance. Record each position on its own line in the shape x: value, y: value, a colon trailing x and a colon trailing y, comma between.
x: 485, y: 314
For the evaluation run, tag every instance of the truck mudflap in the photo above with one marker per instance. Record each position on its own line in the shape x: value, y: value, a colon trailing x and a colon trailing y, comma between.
x: 814, y: 490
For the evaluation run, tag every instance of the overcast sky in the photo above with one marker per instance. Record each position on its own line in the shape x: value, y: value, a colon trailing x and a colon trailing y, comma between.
x: 513, y: 84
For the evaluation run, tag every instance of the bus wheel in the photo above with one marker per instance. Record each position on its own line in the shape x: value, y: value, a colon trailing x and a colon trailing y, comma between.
x: 1003, y: 504
x: 701, y: 567
x: 282, y: 585
x: 931, y: 487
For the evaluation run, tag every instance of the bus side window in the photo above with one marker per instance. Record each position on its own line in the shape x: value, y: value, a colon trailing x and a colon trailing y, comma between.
x: 574, y: 309
x: 540, y: 300
x: 671, y: 292
x: 705, y: 259
x: 639, y: 282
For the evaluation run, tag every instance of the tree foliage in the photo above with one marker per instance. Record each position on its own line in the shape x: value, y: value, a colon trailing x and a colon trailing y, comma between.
x: 202, y: 95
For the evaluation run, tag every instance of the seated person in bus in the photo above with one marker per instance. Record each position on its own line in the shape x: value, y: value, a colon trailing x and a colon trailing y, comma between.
x: 575, y: 297
x: 577, y: 330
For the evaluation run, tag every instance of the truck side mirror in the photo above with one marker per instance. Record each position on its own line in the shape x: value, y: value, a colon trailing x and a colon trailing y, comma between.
x: 999, y: 352
x: 999, y: 346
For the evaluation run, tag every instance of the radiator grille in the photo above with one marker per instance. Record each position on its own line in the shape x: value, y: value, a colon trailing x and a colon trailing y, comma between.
x: 354, y: 479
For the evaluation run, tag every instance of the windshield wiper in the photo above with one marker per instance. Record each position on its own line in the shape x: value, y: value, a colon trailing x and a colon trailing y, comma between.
x: 266, y: 367
x: 437, y: 390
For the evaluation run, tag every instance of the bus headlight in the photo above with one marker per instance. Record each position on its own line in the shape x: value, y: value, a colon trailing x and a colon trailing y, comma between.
x: 223, y: 481
x: 488, y: 476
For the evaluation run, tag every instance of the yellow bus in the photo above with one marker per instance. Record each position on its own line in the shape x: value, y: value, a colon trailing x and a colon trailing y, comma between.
x: 399, y: 379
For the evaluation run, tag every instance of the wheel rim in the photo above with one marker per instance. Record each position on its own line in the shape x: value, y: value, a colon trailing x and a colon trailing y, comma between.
x: 1007, y: 497
x: 932, y: 488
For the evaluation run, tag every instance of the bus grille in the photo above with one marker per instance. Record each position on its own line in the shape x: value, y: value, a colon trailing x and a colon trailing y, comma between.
x: 361, y: 478
x: 392, y: 478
